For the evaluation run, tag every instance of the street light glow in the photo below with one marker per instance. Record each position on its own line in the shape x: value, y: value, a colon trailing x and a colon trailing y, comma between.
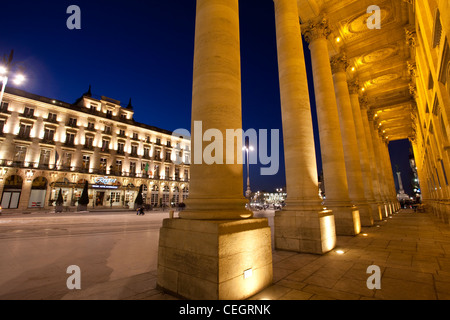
x: 3, y: 70
x: 19, y: 79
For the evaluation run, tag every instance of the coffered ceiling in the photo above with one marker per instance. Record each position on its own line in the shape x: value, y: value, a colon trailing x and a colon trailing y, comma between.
x: 378, y: 58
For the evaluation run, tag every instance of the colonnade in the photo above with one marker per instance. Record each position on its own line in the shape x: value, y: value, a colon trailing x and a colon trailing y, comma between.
x: 359, y: 185
x: 215, y: 234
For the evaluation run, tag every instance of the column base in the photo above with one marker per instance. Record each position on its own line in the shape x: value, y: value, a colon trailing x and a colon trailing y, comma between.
x: 215, y: 260
x: 365, y: 213
x: 307, y: 231
x: 385, y: 210
x: 215, y: 209
x: 348, y: 222
x: 377, y: 211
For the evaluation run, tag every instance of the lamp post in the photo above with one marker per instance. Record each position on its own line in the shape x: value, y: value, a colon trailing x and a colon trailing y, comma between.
x: 4, y: 71
x: 248, y: 192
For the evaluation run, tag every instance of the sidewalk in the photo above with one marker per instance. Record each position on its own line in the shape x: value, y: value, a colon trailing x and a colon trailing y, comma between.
x: 90, y: 211
x: 411, y: 249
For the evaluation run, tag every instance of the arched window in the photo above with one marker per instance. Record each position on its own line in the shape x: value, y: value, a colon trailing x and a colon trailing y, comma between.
x: 38, y: 192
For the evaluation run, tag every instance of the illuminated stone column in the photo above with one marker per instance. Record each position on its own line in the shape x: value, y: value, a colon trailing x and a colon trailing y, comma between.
x: 364, y: 153
x: 378, y: 194
x: 213, y: 252
x: 390, y: 176
x: 381, y: 170
x: 216, y: 189
x: 355, y: 180
x: 333, y: 161
x: 303, y: 225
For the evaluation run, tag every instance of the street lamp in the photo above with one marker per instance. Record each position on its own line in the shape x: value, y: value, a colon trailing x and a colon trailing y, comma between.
x: 248, y: 192
x: 19, y: 78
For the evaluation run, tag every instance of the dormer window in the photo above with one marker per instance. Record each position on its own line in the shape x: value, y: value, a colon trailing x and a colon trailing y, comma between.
x: 28, y: 112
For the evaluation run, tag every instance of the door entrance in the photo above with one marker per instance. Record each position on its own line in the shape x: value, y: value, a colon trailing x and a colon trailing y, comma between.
x: 100, y: 198
x: 10, y: 199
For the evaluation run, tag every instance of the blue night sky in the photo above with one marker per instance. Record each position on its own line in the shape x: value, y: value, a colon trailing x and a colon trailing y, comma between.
x: 144, y: 50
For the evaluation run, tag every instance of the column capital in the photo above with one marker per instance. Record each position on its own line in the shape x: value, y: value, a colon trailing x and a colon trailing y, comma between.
x: 364, y: 103
x: 339, y: 63
x: 353, y: 87
x: 411, y: 37
x: 412, y: 68
x: 316, y: 29
x: 413, y: 89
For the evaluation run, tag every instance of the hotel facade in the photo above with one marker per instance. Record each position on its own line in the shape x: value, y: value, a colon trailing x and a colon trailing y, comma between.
x: 48, y: 145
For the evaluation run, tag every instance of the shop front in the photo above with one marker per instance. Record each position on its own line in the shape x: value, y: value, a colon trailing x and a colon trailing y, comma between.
x: 108, y: 192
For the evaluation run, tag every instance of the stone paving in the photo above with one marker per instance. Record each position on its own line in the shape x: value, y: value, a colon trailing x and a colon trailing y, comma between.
x: 412, y: 250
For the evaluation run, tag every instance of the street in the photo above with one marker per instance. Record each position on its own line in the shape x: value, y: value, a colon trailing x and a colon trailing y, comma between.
x: 35, y: 251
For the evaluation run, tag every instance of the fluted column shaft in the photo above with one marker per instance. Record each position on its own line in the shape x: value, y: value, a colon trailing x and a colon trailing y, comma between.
x: 364, y: 153
x: 348, y: 131
x: 371, y: 155
x: 381, y: 171
x: 298, y: 134
x: 333, y: 160
x: 303, y: 225
x: 392, y: 193
x: 216, y: 190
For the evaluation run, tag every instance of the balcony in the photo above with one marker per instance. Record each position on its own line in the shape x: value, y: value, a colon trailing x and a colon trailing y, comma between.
x: 51, y: 120
x: 28, y: 115
x: 46, y: 140
x: 70, y: 144
x: 72, y: 124
x: 88, y: 147
x: 23, y: 136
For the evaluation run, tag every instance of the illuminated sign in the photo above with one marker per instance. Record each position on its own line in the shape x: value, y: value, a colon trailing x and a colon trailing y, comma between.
x: 102, y: 186
x: 105, y: 183
x: 105, y: 180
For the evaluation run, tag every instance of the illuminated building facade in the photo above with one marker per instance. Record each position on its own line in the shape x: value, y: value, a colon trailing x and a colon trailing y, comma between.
x: 48, y: 145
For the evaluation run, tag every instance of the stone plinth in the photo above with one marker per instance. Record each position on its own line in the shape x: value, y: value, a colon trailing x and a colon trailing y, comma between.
x: 307, y: 231
x: 206, y: 259
x: 348, y: 222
